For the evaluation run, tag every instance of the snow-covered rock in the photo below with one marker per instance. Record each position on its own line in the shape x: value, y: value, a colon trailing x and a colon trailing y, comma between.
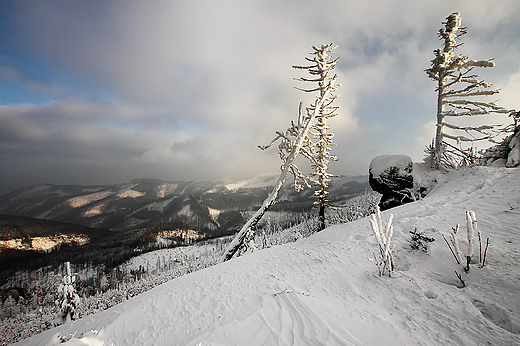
x: 513, y: 158
x: 391, y: 176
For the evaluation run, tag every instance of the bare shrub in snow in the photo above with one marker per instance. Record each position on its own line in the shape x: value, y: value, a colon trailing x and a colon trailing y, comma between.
x: 456, y: 87
x: 420, y: 241
x: 383, y: 236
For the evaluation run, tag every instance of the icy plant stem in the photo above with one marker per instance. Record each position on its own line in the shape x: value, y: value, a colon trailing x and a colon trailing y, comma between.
x: 386, y: 255
x: 470, y: 221
x: 383, y: 237
x: 455, y: 243
x: 451, y: 249
x: 479, y: 248
x: 380, y: 225
x: 485, y: 252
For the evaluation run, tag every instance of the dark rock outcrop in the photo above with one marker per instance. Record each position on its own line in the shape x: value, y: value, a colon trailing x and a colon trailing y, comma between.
x: 391, y: 176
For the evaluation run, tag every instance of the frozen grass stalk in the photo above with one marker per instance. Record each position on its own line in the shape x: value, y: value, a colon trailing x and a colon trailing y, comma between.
x: 383, y: 237
x: 471, y: 229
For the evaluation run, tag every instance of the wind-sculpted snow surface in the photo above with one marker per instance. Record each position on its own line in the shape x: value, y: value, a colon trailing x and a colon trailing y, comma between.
x: 324, y: 290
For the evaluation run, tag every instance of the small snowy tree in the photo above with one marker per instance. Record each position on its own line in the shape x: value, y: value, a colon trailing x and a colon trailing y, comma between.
x: 456, y: 86
x: 309, y: 136
x: 69, y: 298
x: 9, y: 307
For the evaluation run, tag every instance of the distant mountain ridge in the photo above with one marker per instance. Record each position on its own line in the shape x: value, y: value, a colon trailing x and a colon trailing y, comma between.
x: 210, y: 207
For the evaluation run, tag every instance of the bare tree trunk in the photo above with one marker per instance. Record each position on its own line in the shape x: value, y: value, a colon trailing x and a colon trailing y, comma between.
x: 440, y: 124
x: 321, y: 215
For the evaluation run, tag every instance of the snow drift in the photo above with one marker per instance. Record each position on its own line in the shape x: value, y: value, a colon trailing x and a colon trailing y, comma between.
x: 324, y: 290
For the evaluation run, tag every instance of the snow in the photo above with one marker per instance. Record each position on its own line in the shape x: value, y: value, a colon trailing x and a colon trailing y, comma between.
x: 33, y: 191
x: 129, y: 193
x: 94, y: 211
x: 186, y: 211
x: 237, y: 185
x: 265, y: 180
x: 324, y: 290
x: 178, y: 254
x: 43, y: 243
x: 380, y: 163
x: 165, y: 189
x: 80, y: 201
x: 214, y: 213
x: 159, y: 206
x: 513, y: 158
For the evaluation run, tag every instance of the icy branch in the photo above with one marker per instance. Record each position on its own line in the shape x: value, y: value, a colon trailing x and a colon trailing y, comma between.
x: 470, y: 128
x: 461, y: 138
x: 463, y: 93
x: 479, y: 104
x: 479, y: 63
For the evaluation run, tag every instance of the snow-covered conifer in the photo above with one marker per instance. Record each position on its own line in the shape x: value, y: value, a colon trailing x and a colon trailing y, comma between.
x: 456, y: 87
x: 69, y: 300
x: 319, y: 143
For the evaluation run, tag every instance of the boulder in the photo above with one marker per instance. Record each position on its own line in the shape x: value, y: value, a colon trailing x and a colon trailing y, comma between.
x: 513, y: 158
x: 391, y: 176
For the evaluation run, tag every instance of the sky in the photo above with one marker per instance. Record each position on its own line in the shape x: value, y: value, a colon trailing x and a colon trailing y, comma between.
x: 105, y: 91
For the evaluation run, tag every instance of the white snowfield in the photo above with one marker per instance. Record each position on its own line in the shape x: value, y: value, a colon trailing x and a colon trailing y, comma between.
x: 324, y: 290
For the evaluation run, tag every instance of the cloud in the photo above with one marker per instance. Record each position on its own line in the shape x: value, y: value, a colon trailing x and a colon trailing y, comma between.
x: 176, y: 90
x: 509, y: 91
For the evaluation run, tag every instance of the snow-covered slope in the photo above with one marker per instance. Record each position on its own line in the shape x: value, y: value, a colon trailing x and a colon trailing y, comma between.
x: 324, y: 290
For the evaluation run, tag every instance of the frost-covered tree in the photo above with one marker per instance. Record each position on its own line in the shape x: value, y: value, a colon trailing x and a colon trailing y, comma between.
x: 319, y: 142
x: 69, y: 300
x: 456, y: 87
x: 307, y: 135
